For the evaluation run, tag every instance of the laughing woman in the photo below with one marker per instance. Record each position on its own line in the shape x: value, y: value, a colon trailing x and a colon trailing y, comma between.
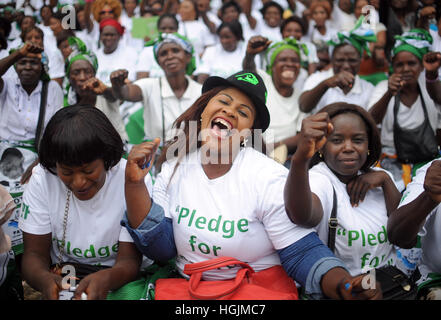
x: 215, y: 178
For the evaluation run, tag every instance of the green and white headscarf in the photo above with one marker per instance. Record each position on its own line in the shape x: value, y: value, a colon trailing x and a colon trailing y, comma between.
x: 79, y: 52
x: 276, y: 48
x: 180, y: 40
x: 417, y: 41
x: 358, y: 37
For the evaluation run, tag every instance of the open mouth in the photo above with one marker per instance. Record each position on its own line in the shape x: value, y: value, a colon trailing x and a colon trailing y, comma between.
x: 288, y: 74
x: 221, y: 128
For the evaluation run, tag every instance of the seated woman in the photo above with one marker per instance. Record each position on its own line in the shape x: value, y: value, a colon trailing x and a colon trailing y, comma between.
x: 341, y: 83
x: 418, y: 219
x: 231, y: 48
x: 235, y: 212
x: 408, y: 112
x: 73, y: 205
x: 22, y: 100
x: 85, y: 89
x: 344, y: 140
x: 283, y: 78
x: 165, y: 98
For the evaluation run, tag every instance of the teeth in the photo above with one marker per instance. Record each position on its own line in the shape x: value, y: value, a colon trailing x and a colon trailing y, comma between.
x: 288, y: 74
x: 222, y: 121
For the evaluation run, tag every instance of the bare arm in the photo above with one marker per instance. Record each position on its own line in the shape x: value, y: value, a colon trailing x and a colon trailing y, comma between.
x: 302, y: 206
x: 35, y: 265
x: 138, y: 199
x: 405, y: 222
x: 121, y: 89
x: 379, y: 109
x: 432, y: 63
x: 256, y: 45
x: 87, y: 11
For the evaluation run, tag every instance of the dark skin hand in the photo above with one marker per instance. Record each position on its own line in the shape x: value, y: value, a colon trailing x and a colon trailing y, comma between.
x: 405, y: 222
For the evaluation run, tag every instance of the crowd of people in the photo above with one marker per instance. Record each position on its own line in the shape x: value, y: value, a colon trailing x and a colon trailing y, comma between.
x: 169, y: 132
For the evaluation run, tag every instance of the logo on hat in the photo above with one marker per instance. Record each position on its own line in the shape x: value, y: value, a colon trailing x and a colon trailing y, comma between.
x: 247, y: 77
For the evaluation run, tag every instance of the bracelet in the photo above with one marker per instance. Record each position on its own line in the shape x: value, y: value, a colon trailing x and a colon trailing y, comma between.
x: 432, y: 80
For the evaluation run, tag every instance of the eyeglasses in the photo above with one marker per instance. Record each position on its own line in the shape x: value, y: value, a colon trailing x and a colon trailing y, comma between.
x: 106, y: 11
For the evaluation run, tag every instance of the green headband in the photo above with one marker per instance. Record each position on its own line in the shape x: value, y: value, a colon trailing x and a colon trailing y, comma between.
x: 180, y: 40
x: 79, y: 52
x: 275, y: 49
x: 358, y: 37
x: 416, y: 41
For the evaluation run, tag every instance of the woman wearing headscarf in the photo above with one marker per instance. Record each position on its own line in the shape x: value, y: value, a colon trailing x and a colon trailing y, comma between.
x: 410, y: 118
x: 284, y: 78
x: 86, y: 89
x: 341, y: 83
x: 114, y: 53
x: 164, y: 98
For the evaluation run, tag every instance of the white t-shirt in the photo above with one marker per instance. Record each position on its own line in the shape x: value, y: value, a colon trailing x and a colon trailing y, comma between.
x: 360, y: 93
x: 214, y: 58
x: 124, y: 57
x: 429, y: 233
x: 93, y: 226
x: 198, y: 34
x: 361, y: 238
x: 161, y: 103
x: 111, y: 110
x: 408, y: 118
x: 271, y: 33
x: 342, y: 20
x: 240, y: 214
x: 19, y: 111
x: 285, y: 114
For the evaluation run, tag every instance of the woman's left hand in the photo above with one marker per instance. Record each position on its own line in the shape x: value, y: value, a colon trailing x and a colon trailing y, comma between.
x: 360, y: 185
x: 95, y: 285
x: 432, y: 62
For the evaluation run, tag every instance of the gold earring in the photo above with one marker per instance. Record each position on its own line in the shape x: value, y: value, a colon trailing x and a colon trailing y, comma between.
x: 320, y: 155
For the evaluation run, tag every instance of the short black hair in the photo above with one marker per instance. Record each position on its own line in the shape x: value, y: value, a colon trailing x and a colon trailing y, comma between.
x: 167, y: 15
x: 228, y: 4
x: 271, y: 4
x: 234, y: 26
x: 297, y: 20
x: 79, y: 134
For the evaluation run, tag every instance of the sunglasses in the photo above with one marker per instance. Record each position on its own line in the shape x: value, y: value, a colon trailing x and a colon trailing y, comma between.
x: 108, y: 11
